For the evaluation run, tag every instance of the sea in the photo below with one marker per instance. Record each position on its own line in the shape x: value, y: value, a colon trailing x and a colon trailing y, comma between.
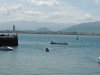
x: 79, y: 57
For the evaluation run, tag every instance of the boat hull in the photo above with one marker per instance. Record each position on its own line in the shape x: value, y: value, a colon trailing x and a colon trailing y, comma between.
x: 60, y: 43
x: 6, y: 48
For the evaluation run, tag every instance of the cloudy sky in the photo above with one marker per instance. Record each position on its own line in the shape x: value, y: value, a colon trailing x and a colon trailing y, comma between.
x: 57, y: 11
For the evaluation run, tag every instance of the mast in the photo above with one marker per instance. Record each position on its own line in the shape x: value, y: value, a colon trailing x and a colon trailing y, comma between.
x: 77, y: 37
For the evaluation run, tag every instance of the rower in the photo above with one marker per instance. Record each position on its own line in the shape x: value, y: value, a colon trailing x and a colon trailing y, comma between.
x: 47, y: 50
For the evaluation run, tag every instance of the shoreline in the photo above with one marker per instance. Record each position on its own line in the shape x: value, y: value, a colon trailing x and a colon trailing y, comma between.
x: 56, y: 33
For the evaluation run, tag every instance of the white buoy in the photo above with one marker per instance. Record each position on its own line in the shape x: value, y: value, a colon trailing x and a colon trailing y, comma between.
x: 98, y: 58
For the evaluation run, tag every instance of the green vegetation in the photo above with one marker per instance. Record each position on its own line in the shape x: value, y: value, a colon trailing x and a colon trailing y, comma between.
x: 52, y: 32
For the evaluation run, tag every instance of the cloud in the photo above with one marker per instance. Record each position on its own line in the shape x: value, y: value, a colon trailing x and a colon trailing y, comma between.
x: 32, y: 12
x: 96, y: 1
x: 85, y: 17
x: 58, y: 11
x: 63, y: 13
x: 18, y: 7
x: 6, y: 10
x: 57, y: 16
x: 49, y: 3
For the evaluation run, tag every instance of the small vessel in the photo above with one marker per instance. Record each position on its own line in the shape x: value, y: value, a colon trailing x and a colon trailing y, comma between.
x: 98, y: 58
x: 6, y: 48
x: 46, y: 49
x: 77, y: 38
x: 61, y: 43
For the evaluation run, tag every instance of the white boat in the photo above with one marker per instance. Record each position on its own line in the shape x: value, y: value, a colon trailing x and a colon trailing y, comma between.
x: 6, y: 48
x: 98, y: 58
x: 61, y: 43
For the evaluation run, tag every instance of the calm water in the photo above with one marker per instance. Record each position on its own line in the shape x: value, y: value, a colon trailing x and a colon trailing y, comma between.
x: 80, y: 57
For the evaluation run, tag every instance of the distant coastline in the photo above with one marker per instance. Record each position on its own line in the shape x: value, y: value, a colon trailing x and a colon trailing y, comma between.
x: 52, y: 32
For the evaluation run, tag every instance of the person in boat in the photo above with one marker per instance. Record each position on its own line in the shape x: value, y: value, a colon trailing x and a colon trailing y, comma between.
x: 47, y: 50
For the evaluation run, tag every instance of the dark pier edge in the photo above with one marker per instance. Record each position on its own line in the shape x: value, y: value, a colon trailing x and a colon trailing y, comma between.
x: 8, y: 40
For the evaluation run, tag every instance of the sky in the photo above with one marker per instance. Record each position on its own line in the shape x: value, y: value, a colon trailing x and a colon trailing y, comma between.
x: 57, y: 11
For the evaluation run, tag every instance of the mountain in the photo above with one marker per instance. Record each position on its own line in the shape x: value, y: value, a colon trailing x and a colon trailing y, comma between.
x: 84, y: 27
x: 32, y: 25
x: 49, y: 26
x: 43, y: 29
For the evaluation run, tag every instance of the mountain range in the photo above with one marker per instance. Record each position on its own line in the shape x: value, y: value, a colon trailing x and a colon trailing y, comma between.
x: 32, y: 25
x: 48, y: 26
x: 84, y: 27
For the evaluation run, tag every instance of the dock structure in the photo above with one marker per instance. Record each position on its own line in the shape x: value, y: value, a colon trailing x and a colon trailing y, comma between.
x: 9, y: 39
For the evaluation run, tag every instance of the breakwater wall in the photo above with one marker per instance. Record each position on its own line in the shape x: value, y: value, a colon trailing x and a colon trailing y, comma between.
x: 8, y: 40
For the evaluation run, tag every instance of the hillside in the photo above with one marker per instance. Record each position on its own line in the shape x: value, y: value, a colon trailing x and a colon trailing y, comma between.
x: 43, y: 29
x: 84, y: 27
x: 48, y: 26
x: 32, y: 25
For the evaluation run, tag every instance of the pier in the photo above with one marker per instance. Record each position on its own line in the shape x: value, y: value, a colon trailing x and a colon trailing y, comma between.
x: 9, y: 39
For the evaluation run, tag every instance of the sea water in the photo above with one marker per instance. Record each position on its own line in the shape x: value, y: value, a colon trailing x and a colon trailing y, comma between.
x: 79, y: 57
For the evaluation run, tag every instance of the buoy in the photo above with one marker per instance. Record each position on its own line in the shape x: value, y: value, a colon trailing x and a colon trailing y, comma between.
x: 99, y: 58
